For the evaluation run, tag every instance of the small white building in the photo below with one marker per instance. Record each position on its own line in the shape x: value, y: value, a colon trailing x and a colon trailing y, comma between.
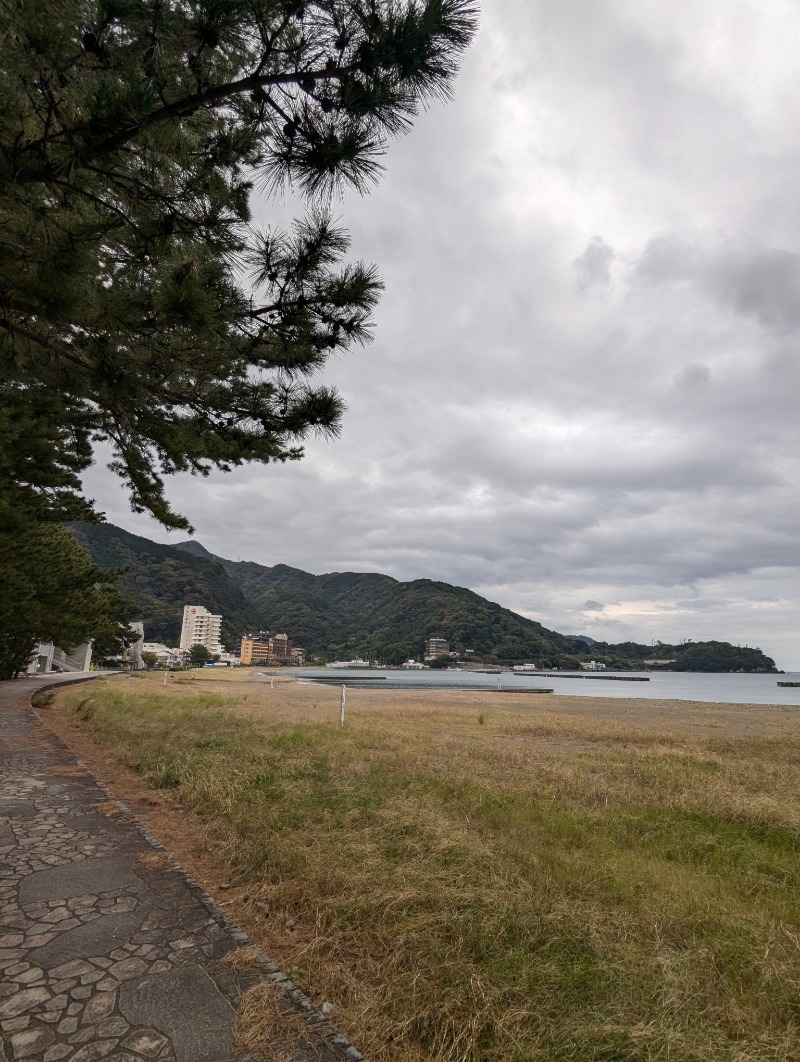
x: 201, y: 627
x: 165, y: 655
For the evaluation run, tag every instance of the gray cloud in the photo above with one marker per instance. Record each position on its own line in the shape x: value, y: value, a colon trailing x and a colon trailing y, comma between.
x: 513, y: 432
x: 693, y: 378
x: 594, y: 265
x: 759, y: 282
x: 764, y: 284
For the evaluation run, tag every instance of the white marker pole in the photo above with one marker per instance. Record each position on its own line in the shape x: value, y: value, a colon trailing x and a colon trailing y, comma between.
x: 341, y: 709
x: 165, y: 677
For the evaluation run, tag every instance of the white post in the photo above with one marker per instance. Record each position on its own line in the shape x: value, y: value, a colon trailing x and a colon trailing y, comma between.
x: 165, y: 676
x: 272, y: 683
x: 498, y: 683
x: 341, y: 709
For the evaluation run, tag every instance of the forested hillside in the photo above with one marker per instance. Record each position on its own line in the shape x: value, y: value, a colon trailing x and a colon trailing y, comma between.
x: 160, y: 580
x: 347, y: 614
x: 688, y: 656
x: 371, y: 615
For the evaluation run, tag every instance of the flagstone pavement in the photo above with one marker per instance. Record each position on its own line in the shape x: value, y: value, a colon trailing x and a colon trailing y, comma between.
x: 108, y: 950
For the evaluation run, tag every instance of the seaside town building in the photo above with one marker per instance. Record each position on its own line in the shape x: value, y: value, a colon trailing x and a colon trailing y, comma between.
x: 263, y: 648
x: 436, y: 647
x: 48, y: 658
x: 165, y: 655
x: 254, y: 650
x: 201, y: 627
x: 280, y: 648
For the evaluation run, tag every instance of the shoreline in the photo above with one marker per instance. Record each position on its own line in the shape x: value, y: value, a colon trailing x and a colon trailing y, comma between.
x: 311, y: 702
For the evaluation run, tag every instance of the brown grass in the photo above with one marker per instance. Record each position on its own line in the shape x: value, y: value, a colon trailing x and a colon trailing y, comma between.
x: 570, y: 879
x: 270, y: 1025
x: 67, y: 772
x: 151, y: 860
x: 108, y: 808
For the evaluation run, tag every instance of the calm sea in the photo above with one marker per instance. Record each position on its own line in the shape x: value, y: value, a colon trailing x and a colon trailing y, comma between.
x: 682, y: 686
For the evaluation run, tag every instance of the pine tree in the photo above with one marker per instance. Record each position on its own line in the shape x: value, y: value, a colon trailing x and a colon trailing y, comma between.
x: 199, y: 656
x: 138, y: 304
x: 51, y: 591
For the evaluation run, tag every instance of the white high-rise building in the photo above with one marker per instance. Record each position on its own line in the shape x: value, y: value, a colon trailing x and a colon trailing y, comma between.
x: 201, y: 627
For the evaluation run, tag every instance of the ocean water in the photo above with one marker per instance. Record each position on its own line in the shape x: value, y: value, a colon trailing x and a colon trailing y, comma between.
x: 678, y: 685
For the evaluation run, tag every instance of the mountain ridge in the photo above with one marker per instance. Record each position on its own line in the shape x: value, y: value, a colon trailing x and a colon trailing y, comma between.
x: 376, y: 615
x: 365, y: 614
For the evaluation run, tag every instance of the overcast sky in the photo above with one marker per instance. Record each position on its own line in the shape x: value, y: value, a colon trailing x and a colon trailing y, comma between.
x: 584, y: 397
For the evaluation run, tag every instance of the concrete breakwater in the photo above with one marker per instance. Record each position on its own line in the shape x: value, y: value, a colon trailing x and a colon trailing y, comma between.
x: 570, y: 675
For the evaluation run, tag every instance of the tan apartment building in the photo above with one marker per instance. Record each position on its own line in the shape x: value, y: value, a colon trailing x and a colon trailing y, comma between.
x: 254, y: 651
x: 436, y: 647
x: 281, y: 648
x: 264, y: 649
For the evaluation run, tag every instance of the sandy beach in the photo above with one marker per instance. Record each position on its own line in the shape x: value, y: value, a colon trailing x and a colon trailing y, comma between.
x: 309, y: 702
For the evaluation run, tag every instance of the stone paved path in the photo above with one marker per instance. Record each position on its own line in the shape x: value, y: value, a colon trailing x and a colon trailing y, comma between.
x: 107, y: 949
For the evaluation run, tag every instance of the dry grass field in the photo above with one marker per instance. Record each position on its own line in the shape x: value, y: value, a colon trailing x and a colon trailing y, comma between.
x: 479, y: 876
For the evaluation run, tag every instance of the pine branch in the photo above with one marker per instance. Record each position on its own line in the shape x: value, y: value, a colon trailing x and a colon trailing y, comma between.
x: 215, y: 96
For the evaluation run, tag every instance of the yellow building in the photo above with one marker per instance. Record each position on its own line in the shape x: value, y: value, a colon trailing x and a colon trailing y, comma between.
x: 254, y: 651
x: 263, y: 649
